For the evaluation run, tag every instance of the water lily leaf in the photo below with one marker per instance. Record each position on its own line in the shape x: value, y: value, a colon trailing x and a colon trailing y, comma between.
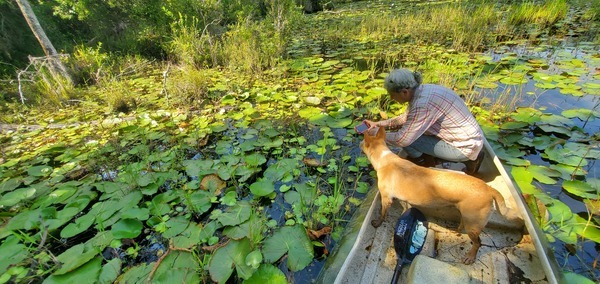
x: 565, y: 156
x: 136, y: 274
x: 310, y: 112
x: 581, y: 189
x: 14, y: 197
x: 177, y: 267
x: 315, y: 101
x: 282, y: 170
x: 254, y: 259
x: 568, y: 171
x: 39, y: 171
x: 136, y: 213
x: 212, y: 183
x: 226, y: 259
x: 200, y: 201
x: 188, y: 238
x: 543, y: 174
x: 267, y: 273
x: 527, y: 115
x: 293, y: 241
x: 556, y: 129
x: 80, y: 254
x: 252, y: 229
x: 236, y: 215
x: 86, y: 273
x: 127, y: 228
x: 11, y: 253
x: 581, y: 113
x: 339, y: 123
x: 262, y: 187
x: 556, y: 120
x: 574, y: 278
x: 80, y: 225
x: 176, y: 226
x: 512, y: 125
x: 110, y: 271
x: 10, y: 184
x: 255, y: 159
x: 196, y: 168
x: 523, y: 178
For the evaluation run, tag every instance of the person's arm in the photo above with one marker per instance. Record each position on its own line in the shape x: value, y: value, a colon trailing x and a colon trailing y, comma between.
x: 388, y: 123
x: 417, y: 122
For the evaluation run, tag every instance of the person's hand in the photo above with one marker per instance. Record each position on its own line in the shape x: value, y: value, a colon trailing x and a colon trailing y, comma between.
x: 371, y: 124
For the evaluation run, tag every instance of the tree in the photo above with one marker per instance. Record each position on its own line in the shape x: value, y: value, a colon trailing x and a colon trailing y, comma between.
x: 56, y: 66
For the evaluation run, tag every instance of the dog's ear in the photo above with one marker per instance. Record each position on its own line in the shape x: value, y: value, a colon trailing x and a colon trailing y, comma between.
x: 380, y: 133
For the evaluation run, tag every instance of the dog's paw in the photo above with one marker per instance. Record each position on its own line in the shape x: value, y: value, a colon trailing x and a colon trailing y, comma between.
x: 468, y: 260
x: 376, y: 223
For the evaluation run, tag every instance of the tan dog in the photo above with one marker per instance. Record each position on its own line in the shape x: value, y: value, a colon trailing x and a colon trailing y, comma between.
x: 420, y: 186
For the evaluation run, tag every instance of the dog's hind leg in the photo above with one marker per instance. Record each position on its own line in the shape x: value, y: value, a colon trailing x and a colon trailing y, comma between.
x: 386, y: 202
x: 472, y: 253
x: 473, y: 222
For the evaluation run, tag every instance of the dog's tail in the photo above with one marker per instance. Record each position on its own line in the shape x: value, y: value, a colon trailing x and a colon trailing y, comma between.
x: 499, y: 199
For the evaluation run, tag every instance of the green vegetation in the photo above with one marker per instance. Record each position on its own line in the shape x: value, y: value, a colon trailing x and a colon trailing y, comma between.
x: 213, y: 140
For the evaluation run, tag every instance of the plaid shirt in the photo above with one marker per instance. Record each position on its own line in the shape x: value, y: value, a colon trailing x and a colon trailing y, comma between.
x: 437, y: 111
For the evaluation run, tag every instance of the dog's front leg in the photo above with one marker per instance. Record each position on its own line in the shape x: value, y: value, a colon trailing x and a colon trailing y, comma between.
x: 386, y: 201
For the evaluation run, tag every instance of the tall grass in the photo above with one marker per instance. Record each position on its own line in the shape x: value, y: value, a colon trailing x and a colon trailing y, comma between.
x: 462, y: 26
x: 544, y: 15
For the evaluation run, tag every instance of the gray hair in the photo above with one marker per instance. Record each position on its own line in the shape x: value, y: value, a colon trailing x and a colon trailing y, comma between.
x: 400, y: 79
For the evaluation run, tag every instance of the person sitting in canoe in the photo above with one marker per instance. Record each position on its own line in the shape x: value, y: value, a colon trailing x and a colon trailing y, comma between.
x: 437, y: 123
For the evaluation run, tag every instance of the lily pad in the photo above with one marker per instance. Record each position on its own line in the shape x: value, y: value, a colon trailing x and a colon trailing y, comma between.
x: 226, y: 259
x: 236, y: 215
x: 581, y: 189
x: 293, y: 241
x: 86, y: 273
x: 262, y: 187
x: 267, y: 273
x: 127, y: 228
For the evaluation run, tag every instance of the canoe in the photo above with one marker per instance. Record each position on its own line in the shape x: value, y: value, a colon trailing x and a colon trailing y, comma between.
x: 514, y: 249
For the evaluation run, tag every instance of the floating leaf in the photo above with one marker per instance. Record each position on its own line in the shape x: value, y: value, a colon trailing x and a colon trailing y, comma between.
x: 80, y: 254
x: 267, y: 273
x: 581, y: 189
x: 226, y: 259
x: 110, y: 271
x: 565, y: 156
x: 236, y: 215
x: 254, y: 259
x: 212, y: 183
x: 196, y: 168
x: 574, y: 278
x: 84, y: 274
x: 293, y: 241
x: 177, y: 267
x: 581, y: 113
x: 127, y: 229
x: 527, y: 115
x: 11, y: 253
x: 315, y: 101
x: 10, y: 185
x: 262, y: 187
x: 543, y: 174
x: 523, y: 178
x: 39, y: 171
x: 17, y: 196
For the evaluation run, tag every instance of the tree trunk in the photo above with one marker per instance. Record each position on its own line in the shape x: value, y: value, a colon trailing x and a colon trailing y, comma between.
x: 56, y: 65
